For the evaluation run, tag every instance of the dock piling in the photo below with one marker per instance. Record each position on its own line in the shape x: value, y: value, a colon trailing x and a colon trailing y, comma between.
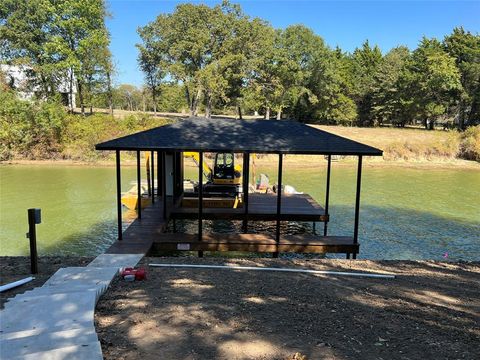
x: 357, y: 202
x: 279, y: 200
x: 139, y: 187
x: 327, y: 195
x: 119, y: 195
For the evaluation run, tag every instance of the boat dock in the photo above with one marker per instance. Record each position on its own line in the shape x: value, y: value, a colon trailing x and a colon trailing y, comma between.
x: 149, y: 232
x: 228, y: 141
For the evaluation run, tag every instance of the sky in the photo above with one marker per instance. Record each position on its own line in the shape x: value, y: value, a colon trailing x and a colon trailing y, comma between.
x: 344, y: 23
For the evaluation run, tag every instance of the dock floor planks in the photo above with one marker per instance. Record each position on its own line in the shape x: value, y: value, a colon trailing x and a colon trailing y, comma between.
x: 256, y: 243
x: 148, y: 233
x: 262, y: 207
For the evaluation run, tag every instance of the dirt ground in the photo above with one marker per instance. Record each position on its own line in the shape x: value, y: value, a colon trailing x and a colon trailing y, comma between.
x: 13, y: 268
x: 430, y: 311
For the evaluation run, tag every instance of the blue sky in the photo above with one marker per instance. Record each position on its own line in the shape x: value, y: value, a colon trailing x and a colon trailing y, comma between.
x: 344, y: 23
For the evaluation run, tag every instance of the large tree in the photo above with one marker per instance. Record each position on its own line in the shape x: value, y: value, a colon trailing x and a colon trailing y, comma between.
x: 328, y: 81
x: 60, y: 41
x: 465, y: 48
x: 364, y: 64
x: 206, y: 49
x: 391, y: 92
x: 152, y: 61
x: 436, y: 81
x: 24, y: 33
x: 78, y: 34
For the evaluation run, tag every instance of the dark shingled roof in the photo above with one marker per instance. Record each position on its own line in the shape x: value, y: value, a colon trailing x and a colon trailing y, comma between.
x: 256, y: 136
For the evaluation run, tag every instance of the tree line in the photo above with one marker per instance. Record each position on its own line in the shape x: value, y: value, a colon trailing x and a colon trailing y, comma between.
x: 203, y: 59
x: 224, y: 59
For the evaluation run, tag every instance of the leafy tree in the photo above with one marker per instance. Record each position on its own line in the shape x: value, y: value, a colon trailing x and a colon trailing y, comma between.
x: 173, y: 99
x: 391, y: 93
x: 78, y: 33
x: 205, y: 49
x: 436, y: 81
x: 328, y: 81
x: 128, y: 97
x: 151, y: 61
x: 60, y: 41
x: 465, y: 48
x: 364, y: 62
x: 284, y: 67
x: 23, y: 38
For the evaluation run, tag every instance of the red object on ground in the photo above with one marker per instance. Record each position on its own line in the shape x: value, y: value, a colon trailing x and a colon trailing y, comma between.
x: 140, y: 274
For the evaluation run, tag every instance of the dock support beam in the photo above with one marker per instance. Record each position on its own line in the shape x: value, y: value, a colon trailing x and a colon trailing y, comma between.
x: 119, y: 195
x: 279, y: 200
x: 327, y: 195
x: 139, y: 187
x: 164, y: 183
x: 357, y: 204
x: 152, y: 160
x: 159, y: 175
x: 246, y: 181
x: 200, y: 199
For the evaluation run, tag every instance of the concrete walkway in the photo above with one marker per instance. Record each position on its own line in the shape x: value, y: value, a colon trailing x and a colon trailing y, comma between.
x: 56, y: 321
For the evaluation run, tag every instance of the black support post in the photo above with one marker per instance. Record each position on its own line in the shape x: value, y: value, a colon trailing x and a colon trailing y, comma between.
x: 246, y: 178
x: 119, y: 195
x: 32, y: 235
x: 139, y: 187
x: 159, y: 175
x: 152, y: 160
x: 357, y: 203
x: 279, y: 200
x: 327, y: 196
x: 164, y: 184
x: 200, y: 198
x: 174, y: 177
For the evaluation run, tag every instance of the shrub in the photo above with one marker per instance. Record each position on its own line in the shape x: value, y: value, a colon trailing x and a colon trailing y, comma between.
x: 470, y: 144
x: 44, y: 130
x: 82, y: 133
x: 29, y: 129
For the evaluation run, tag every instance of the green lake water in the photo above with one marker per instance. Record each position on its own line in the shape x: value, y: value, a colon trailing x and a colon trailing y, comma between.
x: 405, y: 213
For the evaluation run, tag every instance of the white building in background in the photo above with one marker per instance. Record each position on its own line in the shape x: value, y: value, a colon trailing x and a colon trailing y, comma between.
x: 19, y: 79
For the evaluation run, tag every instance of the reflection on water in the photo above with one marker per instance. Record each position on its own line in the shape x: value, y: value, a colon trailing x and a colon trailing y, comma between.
x: 405, y: 213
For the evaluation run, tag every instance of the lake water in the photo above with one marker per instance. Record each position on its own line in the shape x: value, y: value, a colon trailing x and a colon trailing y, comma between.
x: 405, y: 213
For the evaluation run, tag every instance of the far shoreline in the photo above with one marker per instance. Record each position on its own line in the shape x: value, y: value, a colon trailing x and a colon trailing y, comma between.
x: 435, y: 164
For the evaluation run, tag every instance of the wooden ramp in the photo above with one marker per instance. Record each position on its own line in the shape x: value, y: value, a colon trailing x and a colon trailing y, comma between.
x: 140, y: 234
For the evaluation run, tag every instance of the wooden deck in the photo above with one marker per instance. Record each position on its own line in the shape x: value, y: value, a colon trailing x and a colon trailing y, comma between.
x: 262, y: 207
x: 148, y: 233
x: 256, y: 243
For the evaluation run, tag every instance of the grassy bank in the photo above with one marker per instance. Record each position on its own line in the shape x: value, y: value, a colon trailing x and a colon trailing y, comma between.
x: 32, y: 131
x: 410, y: 144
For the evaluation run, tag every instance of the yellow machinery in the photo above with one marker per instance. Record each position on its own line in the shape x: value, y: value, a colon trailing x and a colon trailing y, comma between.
x: 222, y: 189
x: 130, y: 198
x: 225, y: 179
x: 207, y: 171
